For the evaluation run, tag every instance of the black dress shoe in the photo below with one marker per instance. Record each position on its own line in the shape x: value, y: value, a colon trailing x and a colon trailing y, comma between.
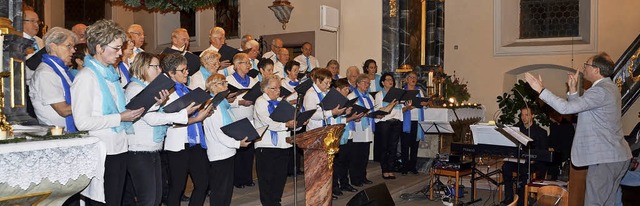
x: 251, y: 184
x: 415, y: 172
x: 357, y: 184
x: 403, y: 173
x: 239, y: 186
x: 366, y: 181
x: 337, y: 192
x: 348, y: 188
x: 388, y: 177
x: 334, y: 197
x: 185, y: 198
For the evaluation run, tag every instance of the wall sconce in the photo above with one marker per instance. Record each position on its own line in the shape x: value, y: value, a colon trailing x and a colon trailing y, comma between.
x: 282, y: 10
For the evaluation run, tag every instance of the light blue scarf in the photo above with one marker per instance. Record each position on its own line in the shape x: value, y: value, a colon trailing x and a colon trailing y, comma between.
x: 106, y: 75
x: 366, y: 121
x: 376, y: 83
x: 206, y: 73
x: 159, y: 131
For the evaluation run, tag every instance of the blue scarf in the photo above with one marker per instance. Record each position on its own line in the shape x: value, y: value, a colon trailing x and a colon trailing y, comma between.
x: 224, y: 107
x: 366, y: 121
x: 104, y: 74
x: 54, y: 62
x: 274, y: 135
x: 205, y: 73
x: 294, y: 84
x: 125, y: 71
x: 406, y: 121
x: 159, y: 131
x: 225, y: 71
x: 195, y: 129
x: 244, y: 82
x: 259, y: 77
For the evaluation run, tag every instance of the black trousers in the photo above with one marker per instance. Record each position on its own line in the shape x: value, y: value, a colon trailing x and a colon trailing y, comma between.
x: 386, y: 139
x: 115, y: 172
x: 342, y: 162
x: 221, y: 181
x: 271, y: 164
x: 243, y: 165
x: 145, y: 178
x: 192, y: 161
x: 358, y: 167
x: 409, y: 149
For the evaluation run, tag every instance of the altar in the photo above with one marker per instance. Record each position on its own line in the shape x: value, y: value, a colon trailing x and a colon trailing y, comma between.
x: 48, y: 172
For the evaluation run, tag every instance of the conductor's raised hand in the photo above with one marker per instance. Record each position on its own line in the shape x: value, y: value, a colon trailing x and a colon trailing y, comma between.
x: 131, y: 115
x: 572, y: 81
x: 535, y: 83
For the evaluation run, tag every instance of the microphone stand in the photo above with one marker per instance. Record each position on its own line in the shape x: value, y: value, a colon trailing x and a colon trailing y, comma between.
x: 295, y: 150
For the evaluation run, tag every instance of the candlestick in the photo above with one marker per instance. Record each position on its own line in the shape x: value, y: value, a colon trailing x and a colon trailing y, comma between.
x: 56, y: 131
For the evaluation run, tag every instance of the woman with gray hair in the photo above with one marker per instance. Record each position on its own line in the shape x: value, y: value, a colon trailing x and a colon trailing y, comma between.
x: 51, y: 82
x: 99, y: 107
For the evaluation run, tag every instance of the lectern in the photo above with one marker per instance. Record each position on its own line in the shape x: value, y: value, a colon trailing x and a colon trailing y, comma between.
x: 320, y: 146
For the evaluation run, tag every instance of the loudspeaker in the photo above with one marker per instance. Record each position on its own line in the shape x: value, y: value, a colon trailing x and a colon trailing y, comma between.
x: 377, y: 195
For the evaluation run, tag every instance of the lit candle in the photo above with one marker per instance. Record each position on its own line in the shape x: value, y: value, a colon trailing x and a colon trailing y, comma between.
x: 56, y: 131
x: 430, y: 82
x: 3, y: 135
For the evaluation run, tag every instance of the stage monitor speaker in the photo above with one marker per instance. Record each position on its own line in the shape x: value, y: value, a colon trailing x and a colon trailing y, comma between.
x: 377, y: 195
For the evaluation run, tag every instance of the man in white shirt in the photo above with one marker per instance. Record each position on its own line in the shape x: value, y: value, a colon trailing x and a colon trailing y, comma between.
x: 307, y: 62
x: 180, y: 44
x: 217, y: 40
x: 137, y: 36
x: 79, y: 30
x: 283, y: 58
x: 276, y: 45
x: 30, y: 28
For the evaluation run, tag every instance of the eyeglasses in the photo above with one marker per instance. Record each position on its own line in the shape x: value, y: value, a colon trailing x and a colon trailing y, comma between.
x: 70, y: 46
x: 590, y: 65
x: 114, y: 48
x: 222, y: 83
x: 33, y: 21
x: 243, y: 62
x: 154, y: 65
x: 182, y: 70
x: 137, y: 33
x: 412, y: 77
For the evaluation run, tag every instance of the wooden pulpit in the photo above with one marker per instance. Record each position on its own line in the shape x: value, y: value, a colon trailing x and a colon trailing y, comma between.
x: 319, y: 145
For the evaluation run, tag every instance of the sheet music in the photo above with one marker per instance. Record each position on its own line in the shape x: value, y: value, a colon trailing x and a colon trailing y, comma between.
x: 484, y: 134
x: 515, y: 132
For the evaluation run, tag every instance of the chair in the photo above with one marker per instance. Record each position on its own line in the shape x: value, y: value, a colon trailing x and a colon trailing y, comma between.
x: 552, y: 195
x: 515, y: 201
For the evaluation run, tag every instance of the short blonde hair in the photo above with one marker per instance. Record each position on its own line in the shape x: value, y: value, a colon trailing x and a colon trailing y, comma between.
x: 102, y: 33
x: 209, y: 56
x: 239, y: 57
x: 140, y: 64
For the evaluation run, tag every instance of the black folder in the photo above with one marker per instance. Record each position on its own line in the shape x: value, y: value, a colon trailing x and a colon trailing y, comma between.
x: 378, y: 112
x: 240, y: 129
x: 303, y: 87
x: 358, y: 109
x: 146, y: 97
x: 197, y: 95
x: 233, y: 89
x: 416, y: 101
x: 400, y: 95
x: 253, y: 94
x: 373, y: 94
x: 227, y: 53
x: 253, y: 73
x: 284, y: 92
x: 333, y: 99
x: 284, y: 112
x: 218, y: 98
